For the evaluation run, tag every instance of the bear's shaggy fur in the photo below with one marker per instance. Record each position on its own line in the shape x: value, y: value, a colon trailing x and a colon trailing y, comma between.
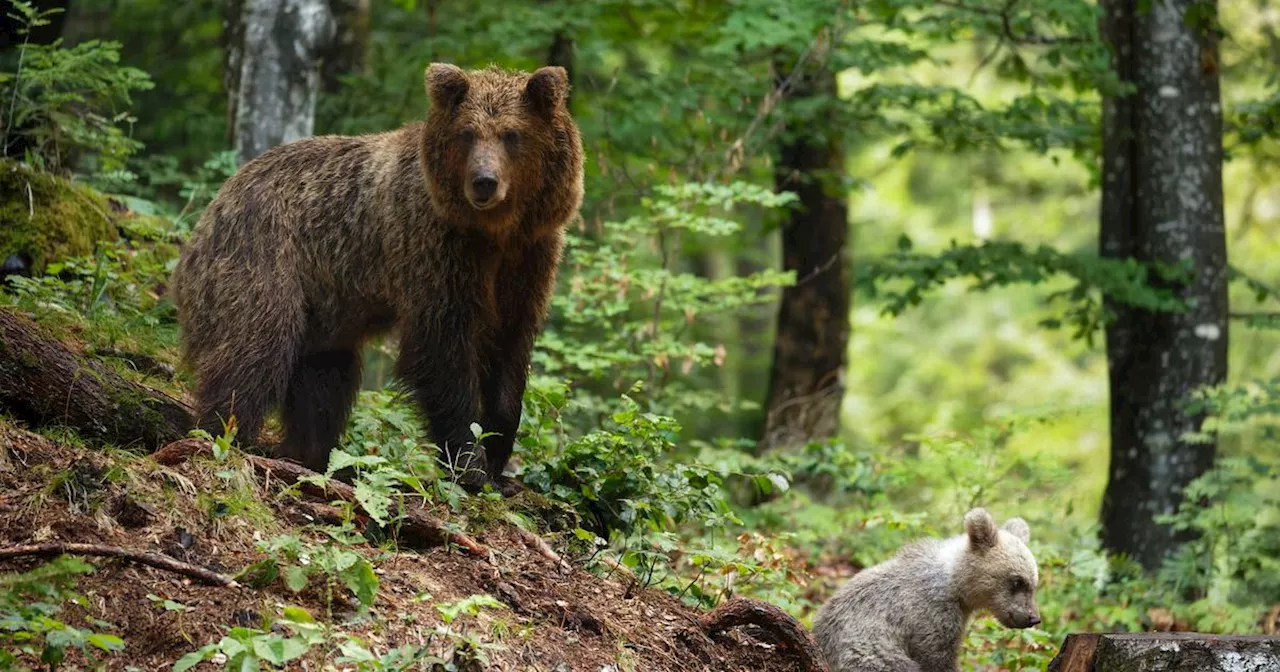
x: 448, y: 231
x: 910, y: 613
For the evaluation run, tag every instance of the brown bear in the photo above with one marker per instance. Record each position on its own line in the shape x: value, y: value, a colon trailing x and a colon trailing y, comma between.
x: 910, y: 613
x: 447, y: 231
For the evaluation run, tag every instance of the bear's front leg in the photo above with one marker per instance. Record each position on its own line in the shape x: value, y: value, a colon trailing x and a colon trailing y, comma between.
x: 439, y: 365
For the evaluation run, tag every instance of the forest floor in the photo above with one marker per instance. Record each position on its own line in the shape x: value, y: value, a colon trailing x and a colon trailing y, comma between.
x: 216, y: 514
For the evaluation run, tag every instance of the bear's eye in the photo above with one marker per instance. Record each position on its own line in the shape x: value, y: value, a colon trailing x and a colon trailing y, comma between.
x: 467, y: 136
x: 511, y: 138
x: 1017, y: 584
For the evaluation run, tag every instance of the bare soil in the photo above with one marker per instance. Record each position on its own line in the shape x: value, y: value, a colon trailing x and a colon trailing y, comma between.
x: 214, y: 514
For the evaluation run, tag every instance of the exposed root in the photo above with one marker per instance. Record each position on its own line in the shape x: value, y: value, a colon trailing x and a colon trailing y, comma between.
x: 141, y: 557
x: 417, y: 528
x: 788, y: 631
x: 540, y: 545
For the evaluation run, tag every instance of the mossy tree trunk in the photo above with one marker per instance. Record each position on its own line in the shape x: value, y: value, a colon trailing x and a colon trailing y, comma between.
x: 1161, y: 202
x: 46, y: 384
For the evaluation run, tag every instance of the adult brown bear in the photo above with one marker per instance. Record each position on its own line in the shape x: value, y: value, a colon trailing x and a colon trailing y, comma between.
x: 448, y: 231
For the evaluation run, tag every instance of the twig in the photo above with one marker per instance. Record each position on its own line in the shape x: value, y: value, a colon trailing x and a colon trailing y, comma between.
x: 540, y: 545
x: 141, y: 557
x: 31, y: 202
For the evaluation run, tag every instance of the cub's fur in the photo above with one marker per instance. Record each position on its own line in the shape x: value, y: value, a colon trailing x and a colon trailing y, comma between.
x: 448, y: 231
x: 910, y: 613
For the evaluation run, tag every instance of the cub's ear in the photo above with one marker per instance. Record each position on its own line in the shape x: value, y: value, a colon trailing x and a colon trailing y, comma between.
x: 547, y: 89
x: 446, y: 85
x: 981, y: 529
x: 1018, y: 528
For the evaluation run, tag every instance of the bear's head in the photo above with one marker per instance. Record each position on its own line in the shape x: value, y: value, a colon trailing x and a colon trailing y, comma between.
x: 501, y: 147
x: 996, y: 571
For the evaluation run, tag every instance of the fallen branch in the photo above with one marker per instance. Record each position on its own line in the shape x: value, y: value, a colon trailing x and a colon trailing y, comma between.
x: 141, y: 557
x: 44, y: 382
x: 540, y: 545
x: 780, y: 624
x: 417, y: 529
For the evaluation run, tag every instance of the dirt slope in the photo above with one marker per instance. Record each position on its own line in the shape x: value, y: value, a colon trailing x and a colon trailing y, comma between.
x: 213, y: 514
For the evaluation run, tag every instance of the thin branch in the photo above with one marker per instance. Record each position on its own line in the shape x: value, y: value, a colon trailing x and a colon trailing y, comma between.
x: 1005, y: 14
x: 540, y: 545
x: 141, y: 557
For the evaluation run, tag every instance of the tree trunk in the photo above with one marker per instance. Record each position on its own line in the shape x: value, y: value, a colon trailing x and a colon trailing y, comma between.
x: 806, y: 383
x: 348, y: 51
x: 1160, y: 651
x: 44, y: 383
x: 273, y: 54
x: 1161, y: 202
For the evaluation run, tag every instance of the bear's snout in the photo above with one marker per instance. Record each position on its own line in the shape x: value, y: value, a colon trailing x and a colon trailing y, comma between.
x: 483, y: 186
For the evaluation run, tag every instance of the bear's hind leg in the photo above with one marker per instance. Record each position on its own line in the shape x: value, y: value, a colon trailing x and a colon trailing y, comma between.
x: 245, y: 387
x: 321, y: 393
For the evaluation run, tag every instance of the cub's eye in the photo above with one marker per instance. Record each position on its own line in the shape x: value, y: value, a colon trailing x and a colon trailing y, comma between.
x: 1018, y: 585
x: 467, y: 135
x: 511, y: 138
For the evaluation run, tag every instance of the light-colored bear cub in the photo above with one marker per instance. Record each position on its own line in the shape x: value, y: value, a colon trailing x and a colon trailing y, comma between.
x: 910, y: 613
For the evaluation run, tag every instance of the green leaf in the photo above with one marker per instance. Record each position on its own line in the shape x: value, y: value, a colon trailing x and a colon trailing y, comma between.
x: 194, y: 658
x: 363, y: 582
x: 295, y: 577
x: 279, y: 650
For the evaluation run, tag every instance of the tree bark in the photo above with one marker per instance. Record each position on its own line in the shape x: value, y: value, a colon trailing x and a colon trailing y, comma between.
x: 806, y: 381
x: 1161, y: 202
x: 1160, y: 651
x: 273, y: 56
x: 44, y: 383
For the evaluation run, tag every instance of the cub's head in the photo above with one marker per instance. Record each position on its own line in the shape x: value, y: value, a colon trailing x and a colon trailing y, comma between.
x: 500, y: 143
x: 996, y: 571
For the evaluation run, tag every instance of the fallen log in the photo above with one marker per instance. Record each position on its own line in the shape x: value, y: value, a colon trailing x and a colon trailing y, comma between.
x: 779, y: 624
x: 1160, y: 651
x: 45, y: 383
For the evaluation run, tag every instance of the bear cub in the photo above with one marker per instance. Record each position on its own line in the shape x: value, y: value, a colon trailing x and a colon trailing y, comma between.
x: 448, y: 232
x: 910, y: 613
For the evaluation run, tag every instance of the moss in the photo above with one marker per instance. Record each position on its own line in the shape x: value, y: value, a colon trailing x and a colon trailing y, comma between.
x: 44, y: 217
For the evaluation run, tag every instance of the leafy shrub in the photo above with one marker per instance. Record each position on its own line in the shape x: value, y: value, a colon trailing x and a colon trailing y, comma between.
x: 64, y: 101
x: 29, y: 605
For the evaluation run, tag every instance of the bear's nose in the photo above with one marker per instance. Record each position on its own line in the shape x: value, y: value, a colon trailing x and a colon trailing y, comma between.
x: 484, y: 186
x: 1035, y: 620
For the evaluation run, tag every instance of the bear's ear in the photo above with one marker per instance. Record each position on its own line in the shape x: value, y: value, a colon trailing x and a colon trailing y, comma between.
x: 547, y: 89
x: 981, y: 529
x: 1018, y: 528
x: 446, y: 85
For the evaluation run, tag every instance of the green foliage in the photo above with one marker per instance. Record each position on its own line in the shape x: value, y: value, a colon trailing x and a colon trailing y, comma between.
x: 30, y: 603
x: 61, y: 101
x: 335, y: 562
x: 470, y: 606
x: 245, y: 649
x: 1000, y: 264
x: 647, y: 305
x: 622, y: 476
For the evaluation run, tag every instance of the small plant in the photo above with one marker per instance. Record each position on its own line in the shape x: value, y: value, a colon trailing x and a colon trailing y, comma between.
x: 29, y: 605
x: 297, y: 562
x: 174, y: 607
x: 247, y: 648
x: 63, y: 100
x: 471, y: 605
